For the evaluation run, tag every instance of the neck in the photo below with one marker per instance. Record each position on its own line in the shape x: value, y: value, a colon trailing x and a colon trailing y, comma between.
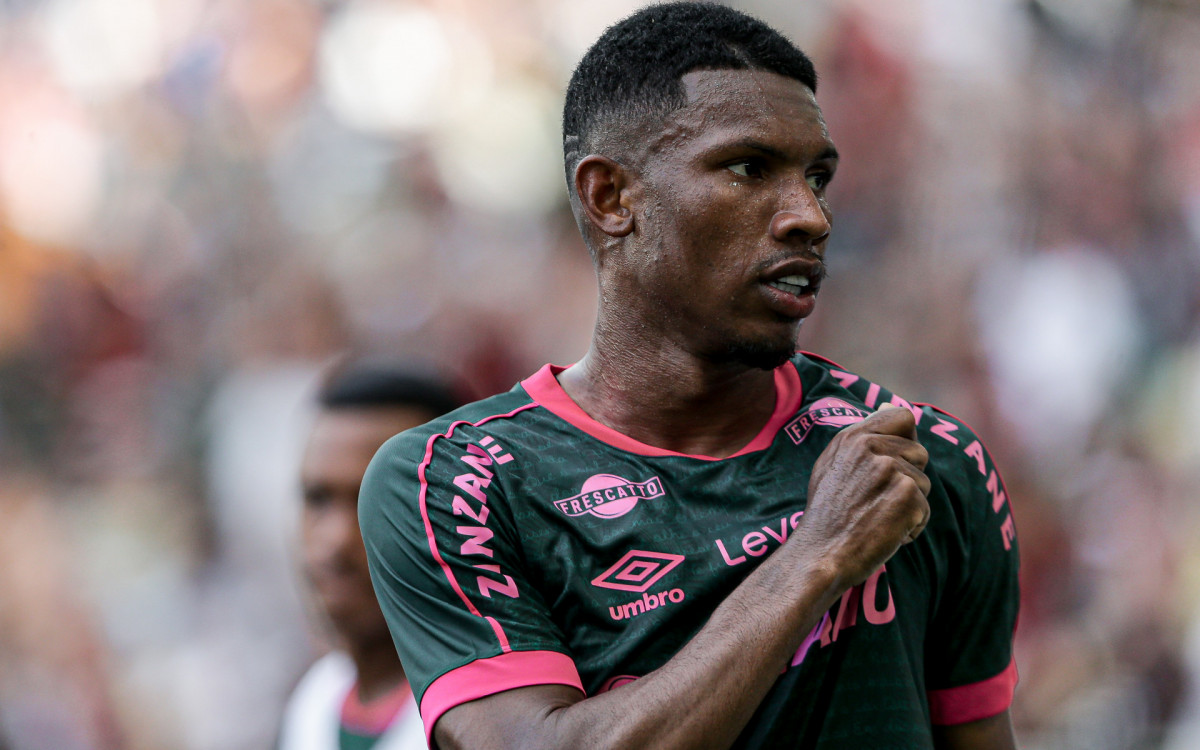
x: 668, y: 398
x: 379, y: 669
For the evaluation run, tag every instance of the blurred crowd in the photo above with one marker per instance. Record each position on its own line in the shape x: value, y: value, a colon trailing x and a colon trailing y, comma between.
x: 205, y: 202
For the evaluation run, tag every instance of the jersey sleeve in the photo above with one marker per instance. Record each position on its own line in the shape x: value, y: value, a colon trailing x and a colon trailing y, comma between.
x: 447, y: 567
x: 970, y: 672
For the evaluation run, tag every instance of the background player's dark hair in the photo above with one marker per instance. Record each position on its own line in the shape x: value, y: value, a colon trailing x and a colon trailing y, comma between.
x: 634, y: 68
x: 368, y: 384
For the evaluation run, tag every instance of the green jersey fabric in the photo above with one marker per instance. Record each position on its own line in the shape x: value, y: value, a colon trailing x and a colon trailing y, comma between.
x: 517, y: 542
x: 348, y: 739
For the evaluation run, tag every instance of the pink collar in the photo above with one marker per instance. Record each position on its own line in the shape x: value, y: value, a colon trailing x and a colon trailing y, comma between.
x: 373, y: 719
x: 544, y: 388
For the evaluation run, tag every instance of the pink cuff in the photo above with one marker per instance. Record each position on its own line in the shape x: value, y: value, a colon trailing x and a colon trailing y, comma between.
x: 979, y: 700
x: 484, y: 677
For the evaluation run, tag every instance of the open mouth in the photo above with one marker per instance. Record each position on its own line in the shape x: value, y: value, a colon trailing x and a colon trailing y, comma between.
x: 794, y: 284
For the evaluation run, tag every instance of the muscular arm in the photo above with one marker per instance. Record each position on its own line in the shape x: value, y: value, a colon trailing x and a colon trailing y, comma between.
x: 995, y: 733
x: 867, y: 497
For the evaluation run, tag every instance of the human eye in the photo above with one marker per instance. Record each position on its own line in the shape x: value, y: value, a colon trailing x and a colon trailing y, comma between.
x: 818, y: 181
x: 746, y: 168
x: 317, y: 498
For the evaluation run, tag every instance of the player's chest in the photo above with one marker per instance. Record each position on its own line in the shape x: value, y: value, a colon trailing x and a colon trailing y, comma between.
x: 613, y: 528
x: 608, y: 499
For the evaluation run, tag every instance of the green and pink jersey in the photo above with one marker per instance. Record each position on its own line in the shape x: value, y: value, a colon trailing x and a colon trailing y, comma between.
x: 517, y: 542
x: 325, y: 712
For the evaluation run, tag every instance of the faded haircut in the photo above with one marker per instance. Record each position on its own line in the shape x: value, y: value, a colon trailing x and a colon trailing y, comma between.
x: 634, y: 69
x: 378, y: 384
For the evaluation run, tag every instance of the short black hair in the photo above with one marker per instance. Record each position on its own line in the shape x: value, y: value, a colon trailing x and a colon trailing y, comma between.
x: 636, y: 66
x: 376, y: 383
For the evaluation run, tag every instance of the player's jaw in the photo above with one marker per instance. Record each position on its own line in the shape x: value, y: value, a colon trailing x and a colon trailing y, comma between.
x: 730, y: 313
x: 755, y: 353
x: 344, y: 593
x: 783, y: 293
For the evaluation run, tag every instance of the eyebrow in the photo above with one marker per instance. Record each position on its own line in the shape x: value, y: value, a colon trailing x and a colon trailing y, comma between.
x: 829, y: 153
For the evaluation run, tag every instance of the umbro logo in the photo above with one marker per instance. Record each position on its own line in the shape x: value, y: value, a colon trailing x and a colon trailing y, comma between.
x: 609, y: 496
x: 637, y: 570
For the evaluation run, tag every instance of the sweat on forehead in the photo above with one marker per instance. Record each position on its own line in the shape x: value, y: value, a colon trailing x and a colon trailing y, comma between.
x: 732, y: 104
x: 634, y: 70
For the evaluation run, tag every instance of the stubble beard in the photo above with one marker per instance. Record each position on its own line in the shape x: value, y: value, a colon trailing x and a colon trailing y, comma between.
x: 757, y: 353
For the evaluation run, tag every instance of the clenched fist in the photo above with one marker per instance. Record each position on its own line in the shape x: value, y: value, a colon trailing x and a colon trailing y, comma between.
x: 867, y: 495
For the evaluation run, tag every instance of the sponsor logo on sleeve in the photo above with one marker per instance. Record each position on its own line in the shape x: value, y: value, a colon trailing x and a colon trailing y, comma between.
x: 826, y: 412
x: 609, y: 496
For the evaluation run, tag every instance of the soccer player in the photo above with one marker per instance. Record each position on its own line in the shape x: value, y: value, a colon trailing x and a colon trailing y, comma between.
x: 356, y: 698
x: 696, y: 537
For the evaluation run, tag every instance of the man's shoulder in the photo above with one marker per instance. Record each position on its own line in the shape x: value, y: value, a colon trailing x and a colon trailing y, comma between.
x: 489, y: 434
x: 823, y: 379
x: 940, y: 431
x: 497, y: 412
x: 957, y: 455
x: 822, y: 376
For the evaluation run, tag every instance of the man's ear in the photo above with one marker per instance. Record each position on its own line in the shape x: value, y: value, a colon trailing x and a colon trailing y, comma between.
x: 603, y: 188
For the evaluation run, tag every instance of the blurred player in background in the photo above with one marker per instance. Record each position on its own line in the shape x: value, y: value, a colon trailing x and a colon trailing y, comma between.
x: 357, y: 697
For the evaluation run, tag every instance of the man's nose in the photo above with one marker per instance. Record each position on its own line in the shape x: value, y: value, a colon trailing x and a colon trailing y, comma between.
x: 337, y: 533
x: 801, y: 217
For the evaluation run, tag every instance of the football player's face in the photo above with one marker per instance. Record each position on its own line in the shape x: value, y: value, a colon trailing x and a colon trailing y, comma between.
x: 734, y: 218
x: 334, y: 560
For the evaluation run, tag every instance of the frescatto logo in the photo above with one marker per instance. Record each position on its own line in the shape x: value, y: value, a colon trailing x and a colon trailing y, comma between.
x: 609, y: 496
x: 827, y: 412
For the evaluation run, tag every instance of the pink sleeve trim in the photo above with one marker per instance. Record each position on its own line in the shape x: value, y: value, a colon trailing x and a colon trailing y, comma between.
x: 543, y: 387
x: 979, y: 700
x: 484, y: 677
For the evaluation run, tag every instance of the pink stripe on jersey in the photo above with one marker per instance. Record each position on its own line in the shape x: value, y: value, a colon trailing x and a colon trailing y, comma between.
x: 543, y: 387
x: 484, y: 677
x: 500, y: 635
x: 437, y: 556
x: 979, y: 700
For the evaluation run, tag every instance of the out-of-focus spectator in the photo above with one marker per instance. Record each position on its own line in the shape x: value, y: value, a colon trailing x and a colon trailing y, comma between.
x: 54, y: 682
x: 357, y: 694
